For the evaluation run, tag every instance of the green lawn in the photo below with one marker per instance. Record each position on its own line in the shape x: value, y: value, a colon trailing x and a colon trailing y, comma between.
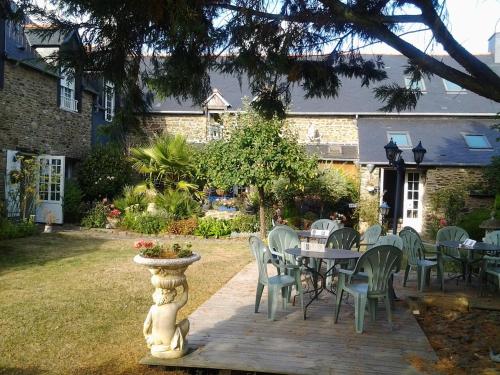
x: 75, y: 302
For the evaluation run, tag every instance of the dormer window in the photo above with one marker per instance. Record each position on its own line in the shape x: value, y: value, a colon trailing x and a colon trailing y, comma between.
x: 453, y: 88
x: 109, y: 101
x: 67, y: 85
x: 414, y: 85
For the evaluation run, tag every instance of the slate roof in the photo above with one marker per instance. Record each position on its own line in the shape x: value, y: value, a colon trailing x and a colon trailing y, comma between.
x: 353, y: 99
x: 442, y: 137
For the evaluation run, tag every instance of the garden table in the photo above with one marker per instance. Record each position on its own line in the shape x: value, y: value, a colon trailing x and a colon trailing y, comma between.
x: 328, y: 254
x: 478, y: 248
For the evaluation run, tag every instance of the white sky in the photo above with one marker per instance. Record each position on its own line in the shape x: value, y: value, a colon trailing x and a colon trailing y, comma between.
x: 472, y: 23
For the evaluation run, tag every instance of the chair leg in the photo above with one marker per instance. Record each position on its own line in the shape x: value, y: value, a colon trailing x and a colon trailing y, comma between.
x: 419, y: 278
x: 338, y: 301
x: 359, y: 311
x: 272, y: 301
x: 258, y: 296
x: 441, y: 273
x: 388, y: 309
x: 284, y: 295
x: 407, y: 271
x: 372, y: 307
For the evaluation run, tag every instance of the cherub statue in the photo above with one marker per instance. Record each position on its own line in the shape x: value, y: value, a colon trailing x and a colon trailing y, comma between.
x: 164, y: 337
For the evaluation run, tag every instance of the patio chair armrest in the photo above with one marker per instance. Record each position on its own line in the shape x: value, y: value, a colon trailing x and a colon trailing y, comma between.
x: 346, y: 273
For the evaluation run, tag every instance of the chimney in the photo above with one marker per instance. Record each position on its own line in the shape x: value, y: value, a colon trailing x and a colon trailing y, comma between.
x: 494, y: 47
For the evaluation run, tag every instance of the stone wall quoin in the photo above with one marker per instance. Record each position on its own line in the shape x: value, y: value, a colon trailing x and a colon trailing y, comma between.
x: 31, y: 119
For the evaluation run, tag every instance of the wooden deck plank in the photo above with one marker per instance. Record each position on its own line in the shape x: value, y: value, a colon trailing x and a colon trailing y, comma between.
x: 227, y: 334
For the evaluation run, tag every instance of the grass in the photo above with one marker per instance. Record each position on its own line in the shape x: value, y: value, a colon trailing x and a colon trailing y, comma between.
x: 74, y: 303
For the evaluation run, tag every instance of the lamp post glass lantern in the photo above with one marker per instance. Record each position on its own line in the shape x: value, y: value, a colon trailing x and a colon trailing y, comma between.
x: 393, y: 155
x: 384, y: 211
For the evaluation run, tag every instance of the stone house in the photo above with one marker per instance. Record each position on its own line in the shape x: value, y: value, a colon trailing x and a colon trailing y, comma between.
x: 349, y: 132
x: 45, y: 112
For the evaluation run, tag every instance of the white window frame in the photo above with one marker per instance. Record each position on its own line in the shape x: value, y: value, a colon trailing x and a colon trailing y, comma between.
x: 109, y: 101
x: 489, y: 147
x: 453, y: 91
x: 67, y: 88
x: 420, y: 82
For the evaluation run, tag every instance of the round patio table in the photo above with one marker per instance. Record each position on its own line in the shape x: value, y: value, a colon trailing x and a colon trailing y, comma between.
x: 328, y: 254
x: 479, y: 247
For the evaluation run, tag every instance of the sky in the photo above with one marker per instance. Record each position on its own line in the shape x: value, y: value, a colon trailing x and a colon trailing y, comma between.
x: 472, y: 23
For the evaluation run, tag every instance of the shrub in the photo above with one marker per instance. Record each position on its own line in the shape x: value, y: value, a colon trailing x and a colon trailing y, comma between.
x: 178, y: 203
x: 211, y: 227
x: 96, y: 216
x: 145, y: 222
x: 449, y: 202
x: 72, y: 205
x: 183, y: 227
x: 471, y: 221
x: 367, y: 210
x: 104, y: 172
x: 131, y: 197
x: 245, y: 224
x: 9, y: 229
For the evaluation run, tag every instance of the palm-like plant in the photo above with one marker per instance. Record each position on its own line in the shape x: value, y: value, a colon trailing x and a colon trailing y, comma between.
x: 167, y: 161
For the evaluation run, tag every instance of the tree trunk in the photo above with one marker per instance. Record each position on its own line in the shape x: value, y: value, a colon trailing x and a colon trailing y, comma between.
x: 262, y: 213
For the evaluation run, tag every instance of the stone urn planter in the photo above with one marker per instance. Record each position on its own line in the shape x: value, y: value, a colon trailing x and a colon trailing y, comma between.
x: 164, y: 335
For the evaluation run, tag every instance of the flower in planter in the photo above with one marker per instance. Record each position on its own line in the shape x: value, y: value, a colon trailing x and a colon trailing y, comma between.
x: 150, y: 249
x: 114, y: 214
x: 442, y: 223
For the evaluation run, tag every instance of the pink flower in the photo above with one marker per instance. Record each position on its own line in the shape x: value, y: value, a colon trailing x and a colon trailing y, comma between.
x: 139, y: 244
x: 443, y: 222
x: 114, y: 213
x: 148, y: 244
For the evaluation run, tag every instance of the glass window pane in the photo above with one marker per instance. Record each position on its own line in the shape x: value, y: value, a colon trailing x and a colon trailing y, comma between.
x: 408, y: 213
x: 452, y: 87
x: 400, y: 138
x: 477, y: 141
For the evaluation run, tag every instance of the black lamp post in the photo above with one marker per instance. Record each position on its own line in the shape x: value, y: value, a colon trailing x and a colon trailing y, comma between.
x: 393, y: 154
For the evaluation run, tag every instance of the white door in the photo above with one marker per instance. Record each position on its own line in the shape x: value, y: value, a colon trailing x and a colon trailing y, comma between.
x: 412, y: 202
x: 12, y: 189
x: 50, y: 189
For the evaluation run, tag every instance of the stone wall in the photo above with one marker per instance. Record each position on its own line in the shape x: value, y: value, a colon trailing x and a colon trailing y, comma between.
x: 341, y: 130
x: 193, y: 127
x: 439, y: 178
x: 330, y: 129
x: 30, y: 118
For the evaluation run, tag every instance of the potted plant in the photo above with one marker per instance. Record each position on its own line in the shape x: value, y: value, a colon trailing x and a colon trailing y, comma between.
x: 165, y: 337
x: 49, y: 220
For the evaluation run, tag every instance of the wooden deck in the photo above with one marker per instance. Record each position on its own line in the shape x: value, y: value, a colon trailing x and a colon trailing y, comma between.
x: 226, y: 334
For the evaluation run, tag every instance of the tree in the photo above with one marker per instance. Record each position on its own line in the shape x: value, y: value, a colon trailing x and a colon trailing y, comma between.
x: 257, y: 152
x: 272, y: 42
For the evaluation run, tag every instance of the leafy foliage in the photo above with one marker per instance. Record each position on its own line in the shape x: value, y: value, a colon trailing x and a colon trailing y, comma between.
x: 277, y: 44
x: 492, y: 173
x: 96, y: 217
x: 471, y: 221
x: 131, y: 196
x: 449, y: 202
x: 178, y: 203
x: 245, y: 224
x: 183, y: 227
x: 211, y: 227
x: 367, y: 210
x: 72, y: 205
x: 23, y: 197
x: 9, y: 229
x: 257, y: 152
x: 145, y: 222
x: 104, y: 172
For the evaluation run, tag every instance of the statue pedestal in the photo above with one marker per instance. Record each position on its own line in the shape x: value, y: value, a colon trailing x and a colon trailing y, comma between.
x: 164, y: 335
